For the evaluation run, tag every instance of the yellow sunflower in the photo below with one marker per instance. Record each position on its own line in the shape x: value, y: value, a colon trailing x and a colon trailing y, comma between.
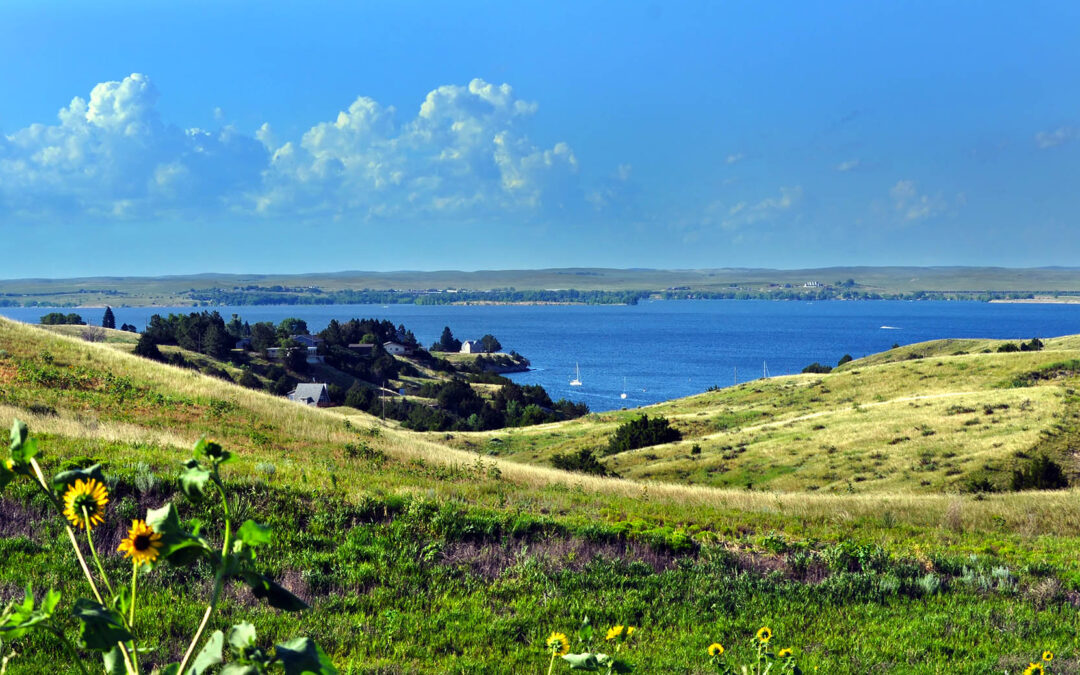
x: 89, y: 494
x: 1034, y: 669
x: 1048, y: 656
x: 142, y: 544
x: 558, y: 644
x: 716, y: 649
x: 619, y: 631
x: 764, y: 634
x: 784, y: 653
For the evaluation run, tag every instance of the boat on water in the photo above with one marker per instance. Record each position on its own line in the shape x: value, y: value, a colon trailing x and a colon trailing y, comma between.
x: 576, y: 382
x: 623, y: 394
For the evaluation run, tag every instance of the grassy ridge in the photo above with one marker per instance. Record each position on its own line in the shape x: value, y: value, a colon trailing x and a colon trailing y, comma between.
x: 172, y: 290
x: 421, y: 557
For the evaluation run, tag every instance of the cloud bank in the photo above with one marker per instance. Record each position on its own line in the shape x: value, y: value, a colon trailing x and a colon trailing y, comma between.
x: 463, y: 155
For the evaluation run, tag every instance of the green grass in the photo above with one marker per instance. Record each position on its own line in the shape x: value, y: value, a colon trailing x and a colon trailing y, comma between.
x: 418, y: 555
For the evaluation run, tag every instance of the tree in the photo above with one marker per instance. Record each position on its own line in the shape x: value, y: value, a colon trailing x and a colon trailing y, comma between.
x: 263, y: 336
x: 216, y: 342
x: 447, y: 342
x: 108, y: 320
x: 58, y: 319
x: 844, y: 359
x: 248, y: 379
x: 294, y: 356
x: 642, y: 432
x: 490, y: 344
x: 291, y: 326
x: 147, y: 348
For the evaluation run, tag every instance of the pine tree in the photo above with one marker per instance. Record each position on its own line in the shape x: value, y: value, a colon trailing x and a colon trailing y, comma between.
x: 108, y: 321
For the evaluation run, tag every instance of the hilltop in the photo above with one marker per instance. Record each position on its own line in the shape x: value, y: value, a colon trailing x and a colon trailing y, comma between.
x: 425, y: 552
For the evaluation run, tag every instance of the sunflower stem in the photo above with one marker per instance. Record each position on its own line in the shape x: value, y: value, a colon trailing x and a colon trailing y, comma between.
x: 219, y: 581
x: 552, y: 664
x: 93, y: 552
x: 128, y: 664
x: 134, y: 580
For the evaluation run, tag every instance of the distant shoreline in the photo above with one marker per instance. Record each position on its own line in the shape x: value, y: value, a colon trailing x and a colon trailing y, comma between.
x: 1055, y: 300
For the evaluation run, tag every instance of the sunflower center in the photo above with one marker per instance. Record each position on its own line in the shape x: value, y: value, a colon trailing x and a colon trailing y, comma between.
x: 141, y: 542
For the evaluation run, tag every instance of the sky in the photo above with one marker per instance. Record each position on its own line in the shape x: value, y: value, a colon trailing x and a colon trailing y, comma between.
x: 279, y: 137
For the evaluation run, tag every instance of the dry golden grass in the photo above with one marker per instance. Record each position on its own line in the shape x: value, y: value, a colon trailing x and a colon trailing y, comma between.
x: 1035, y: 512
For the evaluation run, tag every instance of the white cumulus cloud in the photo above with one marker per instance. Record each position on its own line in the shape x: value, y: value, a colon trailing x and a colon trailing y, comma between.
x: 911, y: 204
x: 464, y: 154
x: 1059, y: 136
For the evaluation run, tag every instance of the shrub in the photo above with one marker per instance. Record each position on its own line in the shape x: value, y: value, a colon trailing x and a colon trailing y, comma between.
x: 583, y: 461
x: 1041, y: 473
x: 816, y: 367
x: 642, y: 432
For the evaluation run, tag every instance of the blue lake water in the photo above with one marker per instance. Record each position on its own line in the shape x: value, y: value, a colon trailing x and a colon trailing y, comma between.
x: 668, y: 349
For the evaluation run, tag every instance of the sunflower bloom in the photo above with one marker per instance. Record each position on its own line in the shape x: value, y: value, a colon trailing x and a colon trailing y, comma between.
x: 619, y: 631
x: 142, y: 544
x: 86, y: 494
x: 1034, y: 669
x: 764, y: 634
x: 784, y: 653
x: 1048, y: 656
x: 558, y: 644
x: 716, y: 649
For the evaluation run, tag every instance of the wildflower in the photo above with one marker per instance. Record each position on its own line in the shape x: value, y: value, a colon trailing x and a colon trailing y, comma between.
x: 1048, y: 656
x: 716, y: 649
x: 86, y: 494
x: 558, y: 644
x: 619, y: 631
x: 1034, y: 669
x: 784, y: 653
x: 764, y: 634
x: 142, y: 544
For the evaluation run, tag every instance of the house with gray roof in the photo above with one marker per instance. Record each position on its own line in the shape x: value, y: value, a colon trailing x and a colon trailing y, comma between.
x: 311, y: 393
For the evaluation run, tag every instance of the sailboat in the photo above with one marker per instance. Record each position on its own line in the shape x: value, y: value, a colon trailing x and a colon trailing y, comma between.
x: 623, y: 394
x: 576, y: 382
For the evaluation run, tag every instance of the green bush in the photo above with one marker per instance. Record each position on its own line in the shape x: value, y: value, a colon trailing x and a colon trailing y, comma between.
x: 641, y: 433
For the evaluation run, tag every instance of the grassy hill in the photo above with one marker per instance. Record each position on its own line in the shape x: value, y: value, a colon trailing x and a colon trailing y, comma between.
x: 454, y: 553
x: 930, y: 417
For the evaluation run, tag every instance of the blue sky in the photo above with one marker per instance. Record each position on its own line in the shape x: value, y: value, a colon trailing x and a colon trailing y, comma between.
x: 177, y: 137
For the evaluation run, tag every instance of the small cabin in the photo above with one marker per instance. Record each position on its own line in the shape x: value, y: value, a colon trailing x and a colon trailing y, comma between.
x: 395, y: 348
x: 472, y: 347
x: 313, y: 394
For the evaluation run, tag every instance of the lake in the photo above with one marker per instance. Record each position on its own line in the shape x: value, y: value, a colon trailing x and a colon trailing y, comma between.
x: 667, y: 349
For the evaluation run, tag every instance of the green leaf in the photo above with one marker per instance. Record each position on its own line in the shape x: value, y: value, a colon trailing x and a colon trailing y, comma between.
x: 242, y: 669
x: 50, y: 601
x: 620, y: 666
x: 194, y: 480
x: 213, y: 452
x: 19, y: 433
x: 99, y: 627
x: 171, y: 669
x: 586, y: 661
x: 114, y: 661
x: 241, y: 637
x: 263, y: 587
x: 210, y: 655
x: 65, y: 478
x: 178, y: 546
x: 254, y: 534
x: 301, y: 656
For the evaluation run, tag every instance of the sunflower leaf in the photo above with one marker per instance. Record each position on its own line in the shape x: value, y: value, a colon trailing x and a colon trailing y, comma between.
x: 253, y: 534
x: 19, y: 433
x: 241, y: 669
x: 66, y: 478
x: 210, y: 655
x: 241, y: 637
x: 114, y: 661
x: 301, y: 656
x: 178, y: 546
x: 586, y: 661
x: 194, y: 481
x: 99, y: 627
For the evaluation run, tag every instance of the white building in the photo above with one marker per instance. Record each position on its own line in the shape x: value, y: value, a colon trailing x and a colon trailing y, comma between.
x: 472, y: 347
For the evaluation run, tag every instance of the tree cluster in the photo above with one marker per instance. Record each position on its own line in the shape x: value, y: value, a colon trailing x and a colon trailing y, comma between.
x: 641, y: 433
x: 60, y: 319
